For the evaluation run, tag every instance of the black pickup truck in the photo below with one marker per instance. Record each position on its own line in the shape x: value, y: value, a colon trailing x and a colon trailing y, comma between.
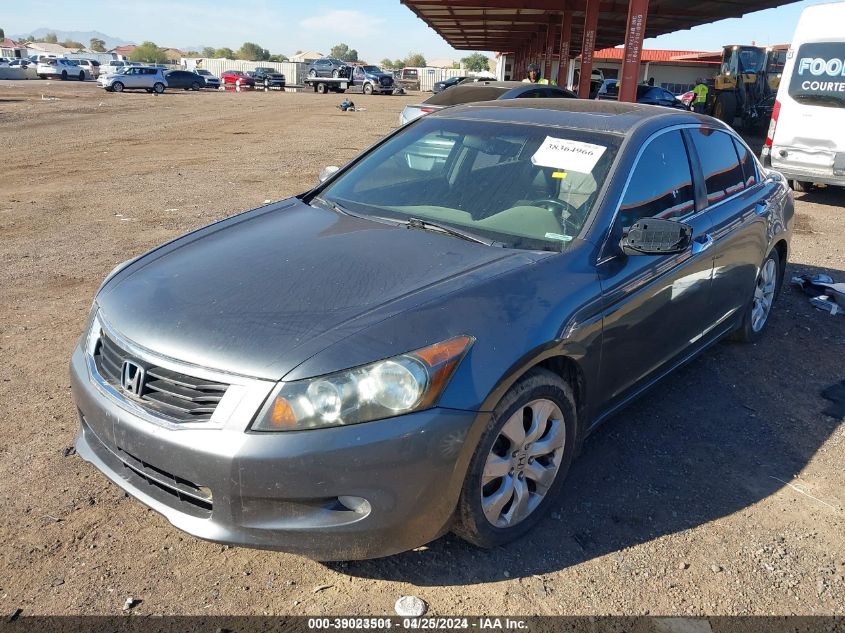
x: 267, y: 77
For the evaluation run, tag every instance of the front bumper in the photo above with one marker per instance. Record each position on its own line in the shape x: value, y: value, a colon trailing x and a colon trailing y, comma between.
x: 285, y: 491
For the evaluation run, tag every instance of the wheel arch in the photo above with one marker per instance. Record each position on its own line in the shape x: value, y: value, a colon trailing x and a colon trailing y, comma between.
x: 782, y: 248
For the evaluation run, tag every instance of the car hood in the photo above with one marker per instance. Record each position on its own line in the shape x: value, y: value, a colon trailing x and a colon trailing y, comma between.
x: 260, y: 293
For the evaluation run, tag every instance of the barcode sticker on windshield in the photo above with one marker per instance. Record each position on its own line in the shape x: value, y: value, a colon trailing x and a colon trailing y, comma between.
x: 563, y: 154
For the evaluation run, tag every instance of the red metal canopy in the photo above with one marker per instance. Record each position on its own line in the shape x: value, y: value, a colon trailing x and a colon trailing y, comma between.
x: 510, y: 25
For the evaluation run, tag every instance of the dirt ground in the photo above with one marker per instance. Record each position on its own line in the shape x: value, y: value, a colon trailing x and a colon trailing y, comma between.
x: 721, y: 492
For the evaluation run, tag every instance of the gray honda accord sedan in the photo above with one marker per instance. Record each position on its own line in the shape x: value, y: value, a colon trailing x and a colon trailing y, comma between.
x: 423, y: 341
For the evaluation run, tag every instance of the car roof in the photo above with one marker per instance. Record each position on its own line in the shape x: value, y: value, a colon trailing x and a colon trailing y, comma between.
x: 583, y: 114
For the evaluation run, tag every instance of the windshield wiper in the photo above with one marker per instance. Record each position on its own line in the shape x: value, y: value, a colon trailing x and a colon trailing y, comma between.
x: 427, y: 225
x: 334, y: 206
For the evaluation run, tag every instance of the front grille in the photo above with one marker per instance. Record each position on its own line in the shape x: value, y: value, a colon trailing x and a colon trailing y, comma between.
x: 177, y: 396
x: 386, y: 81
x: 185, y: 491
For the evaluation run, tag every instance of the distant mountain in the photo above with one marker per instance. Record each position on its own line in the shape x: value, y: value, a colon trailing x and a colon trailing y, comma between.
x: 77, y: 36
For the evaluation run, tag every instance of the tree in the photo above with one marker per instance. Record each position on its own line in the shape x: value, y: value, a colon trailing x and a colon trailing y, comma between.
x: 476, y: 62
x: 252, y: 52
x: 208, y: 51
x: 344, y: 53
x: 415, y: 60
x: 192, y: 54
x: 51, y: 38
x: 228, y: 53
x: 68, y: 43
x: 2, y: 34
x: 278, y: 58
x: 387, y: 63
x: 150, y: 53
x: 96, y: 44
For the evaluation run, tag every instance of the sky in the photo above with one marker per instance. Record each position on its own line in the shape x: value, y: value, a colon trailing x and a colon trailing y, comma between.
x: 376, y: 29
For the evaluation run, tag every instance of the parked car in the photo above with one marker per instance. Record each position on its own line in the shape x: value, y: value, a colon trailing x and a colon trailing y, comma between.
x: 427, y: 345
x: 211, y: 80
x: 112, y: 66
x: 135, y: 78
x: 482, y: 91
x: 91, y: 65
x: 268, y: 77
x: 648, y: 95
x: 407, y: 78
x: 236, y: 78
x: 329, y: 67
x: 440, y: 86
x: 21, y: 63
x: 687, y: 98
x: 184, y: 79
x: 61, y: 68
x: 806, y: 137
x: 372, y: 80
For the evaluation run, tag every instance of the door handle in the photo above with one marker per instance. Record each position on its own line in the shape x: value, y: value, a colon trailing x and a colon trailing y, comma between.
x: 701, y: 243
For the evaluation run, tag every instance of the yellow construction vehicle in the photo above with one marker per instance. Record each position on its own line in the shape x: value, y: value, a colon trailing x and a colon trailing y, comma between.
x: 746, y: 85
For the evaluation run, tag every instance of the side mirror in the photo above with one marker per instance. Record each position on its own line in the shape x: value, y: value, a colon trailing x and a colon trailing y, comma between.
x: 328, y: 172
x: 654, y: 236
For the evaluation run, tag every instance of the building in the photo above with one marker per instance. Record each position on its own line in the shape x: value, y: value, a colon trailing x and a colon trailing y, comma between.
x: 48, y: 49
x: 676, y: 71
x: 123, y: 52
x: 11, y: 49
x: 306, y: 57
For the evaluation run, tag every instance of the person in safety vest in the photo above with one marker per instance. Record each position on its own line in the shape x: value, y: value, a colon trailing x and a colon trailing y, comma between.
x: 699, y: 101
x: 535, y: 78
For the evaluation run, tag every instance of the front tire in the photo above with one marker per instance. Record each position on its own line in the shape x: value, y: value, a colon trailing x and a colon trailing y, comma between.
x: 766, y: 290
x: 195, y: 86
x: 117, y: 86
x: 801, y: 186
x: 521, y: 461
x: 158, y: 87
x: 725, y: 107
x: 335, y: 74
x: 312, y: 73
x: 368, y: 89
x: 64, y: 75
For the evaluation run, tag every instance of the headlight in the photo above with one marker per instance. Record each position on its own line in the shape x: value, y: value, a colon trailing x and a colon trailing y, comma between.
x: 405, y: 383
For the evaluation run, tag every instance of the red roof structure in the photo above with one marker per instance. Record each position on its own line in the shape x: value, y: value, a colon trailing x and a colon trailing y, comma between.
x: 662, y: 56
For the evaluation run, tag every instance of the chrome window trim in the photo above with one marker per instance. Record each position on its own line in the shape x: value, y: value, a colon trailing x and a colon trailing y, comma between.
x: 648, y: 141
x: 241, y: 400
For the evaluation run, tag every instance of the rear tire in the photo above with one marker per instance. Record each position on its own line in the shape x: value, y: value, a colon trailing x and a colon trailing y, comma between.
x: 321, y: 88
x: 335, y: 74
x: 502, y: 480
x: 765, y: 293
x: 195, y: 86
x: 82, y: 76
x: 158, y: 87
x: 312, y: 73
x: 64, y: 75
x: 725, y: 107
x: 802, y: 186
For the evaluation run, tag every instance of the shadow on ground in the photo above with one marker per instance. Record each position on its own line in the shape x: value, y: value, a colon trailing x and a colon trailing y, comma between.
x: 713, y: 439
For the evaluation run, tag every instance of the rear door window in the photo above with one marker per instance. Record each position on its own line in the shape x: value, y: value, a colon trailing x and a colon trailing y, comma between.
x: 749, y: 168
x: 661, y: 185
x: 723, y: 174
x: 818, y: 77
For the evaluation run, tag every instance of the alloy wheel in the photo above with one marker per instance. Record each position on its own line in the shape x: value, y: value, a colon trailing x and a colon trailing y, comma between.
x: 764, y: 295
x: 523, y: 463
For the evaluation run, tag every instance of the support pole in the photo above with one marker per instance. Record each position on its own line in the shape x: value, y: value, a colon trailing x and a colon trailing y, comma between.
x: 637, y: 14
x: 565, y: 43
x: 588, y: 47
x: 550, y: 33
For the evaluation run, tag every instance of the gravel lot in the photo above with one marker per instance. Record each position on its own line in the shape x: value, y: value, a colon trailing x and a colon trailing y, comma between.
x: 721, y: 492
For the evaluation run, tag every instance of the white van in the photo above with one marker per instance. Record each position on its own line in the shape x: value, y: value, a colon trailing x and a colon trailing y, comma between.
x: 806, y: 139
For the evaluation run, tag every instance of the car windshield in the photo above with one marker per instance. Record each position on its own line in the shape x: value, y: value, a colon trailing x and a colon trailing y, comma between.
x: 523, y: 186
x: 372, y: 69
